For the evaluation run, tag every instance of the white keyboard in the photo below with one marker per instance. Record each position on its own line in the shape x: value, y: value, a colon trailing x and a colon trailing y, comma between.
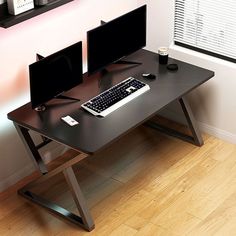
x: 115, y: 97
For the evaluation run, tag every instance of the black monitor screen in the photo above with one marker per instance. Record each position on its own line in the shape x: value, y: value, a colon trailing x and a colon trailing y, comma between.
x: 55, y: 74
x: 115, y: 39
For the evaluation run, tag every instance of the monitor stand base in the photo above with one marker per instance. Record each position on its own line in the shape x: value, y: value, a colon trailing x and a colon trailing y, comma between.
x: 43, y: 107
x: 67, y: 98
x: 40, y: 108
x: 123, y: 62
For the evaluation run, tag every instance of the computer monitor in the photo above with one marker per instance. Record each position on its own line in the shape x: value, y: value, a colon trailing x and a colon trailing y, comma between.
x: 116, y: 39
x: 52, y: 75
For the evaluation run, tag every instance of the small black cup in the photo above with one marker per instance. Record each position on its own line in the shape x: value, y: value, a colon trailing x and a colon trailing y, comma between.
x: 163, y: 55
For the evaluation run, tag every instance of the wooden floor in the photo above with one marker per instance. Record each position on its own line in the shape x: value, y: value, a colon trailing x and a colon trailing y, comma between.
x: 144, y: 184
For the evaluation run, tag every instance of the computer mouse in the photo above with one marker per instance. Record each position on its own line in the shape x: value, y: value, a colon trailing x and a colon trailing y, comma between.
x: 149, y: 76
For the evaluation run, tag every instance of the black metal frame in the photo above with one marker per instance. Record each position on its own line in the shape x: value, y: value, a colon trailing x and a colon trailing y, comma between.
x: 196, y: 137
x: 84, y: 220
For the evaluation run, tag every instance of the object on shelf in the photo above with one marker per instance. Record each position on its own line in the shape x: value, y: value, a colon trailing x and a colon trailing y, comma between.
x: 8, y: 20
x: 16, y: 7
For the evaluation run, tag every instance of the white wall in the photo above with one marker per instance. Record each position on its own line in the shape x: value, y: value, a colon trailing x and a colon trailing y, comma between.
x: 214, y: 103
x: 43, y: 34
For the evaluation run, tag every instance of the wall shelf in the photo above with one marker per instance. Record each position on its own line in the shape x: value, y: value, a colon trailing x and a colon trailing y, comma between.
x: 7, y: 20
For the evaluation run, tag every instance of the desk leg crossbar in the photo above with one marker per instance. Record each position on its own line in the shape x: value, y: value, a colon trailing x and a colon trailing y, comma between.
x: 84, y: 220
x: 196, y: 137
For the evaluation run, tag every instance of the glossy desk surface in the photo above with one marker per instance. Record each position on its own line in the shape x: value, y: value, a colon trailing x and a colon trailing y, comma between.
x: 93, y: 133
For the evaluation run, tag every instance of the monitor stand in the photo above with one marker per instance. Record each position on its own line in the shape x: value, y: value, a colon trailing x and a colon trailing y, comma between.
x: 40, y: 108
x: 104, y: 71
x: 43, y: 106
x: 123, y: 62
x: 66, y: 97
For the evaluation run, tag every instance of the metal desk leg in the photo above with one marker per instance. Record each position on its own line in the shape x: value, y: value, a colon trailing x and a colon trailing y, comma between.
x: 31, y: 148
x: 191, y: 121
x: 78, y: 198
x: 84, y: 220
x: 196, y: 137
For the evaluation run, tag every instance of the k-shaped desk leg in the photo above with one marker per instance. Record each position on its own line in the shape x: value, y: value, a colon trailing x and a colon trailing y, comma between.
x: 31, y: 148
x: 196, y: 137
x: 192, y: 124
x: 78, y: 198
x: 84, y: 220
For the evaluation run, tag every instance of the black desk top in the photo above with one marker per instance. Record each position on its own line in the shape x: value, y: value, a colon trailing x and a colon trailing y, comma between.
x: 93, y: 133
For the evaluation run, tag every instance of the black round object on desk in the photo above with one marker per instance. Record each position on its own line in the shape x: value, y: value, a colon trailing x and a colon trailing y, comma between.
x: 172, y: 67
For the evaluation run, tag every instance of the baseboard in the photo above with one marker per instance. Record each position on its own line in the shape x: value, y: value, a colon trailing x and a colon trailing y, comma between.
x: 218, y: 133
x: 205, y: 128
x: 51, y: 152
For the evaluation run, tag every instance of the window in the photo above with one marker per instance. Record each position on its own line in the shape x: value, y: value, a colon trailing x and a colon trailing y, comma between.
x: 208, y: 26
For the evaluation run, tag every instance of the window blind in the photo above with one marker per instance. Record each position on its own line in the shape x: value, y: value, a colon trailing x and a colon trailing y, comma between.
x: 207, y: 26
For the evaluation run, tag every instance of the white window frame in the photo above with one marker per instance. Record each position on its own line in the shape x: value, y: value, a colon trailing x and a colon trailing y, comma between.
x: 207, y: 26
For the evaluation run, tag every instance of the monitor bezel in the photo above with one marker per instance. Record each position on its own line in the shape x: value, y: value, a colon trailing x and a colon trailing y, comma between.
x: 105, y: 24
x: 39, y: 104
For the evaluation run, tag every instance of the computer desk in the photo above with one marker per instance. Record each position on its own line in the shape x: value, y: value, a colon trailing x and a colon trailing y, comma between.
x: 94, y: 133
